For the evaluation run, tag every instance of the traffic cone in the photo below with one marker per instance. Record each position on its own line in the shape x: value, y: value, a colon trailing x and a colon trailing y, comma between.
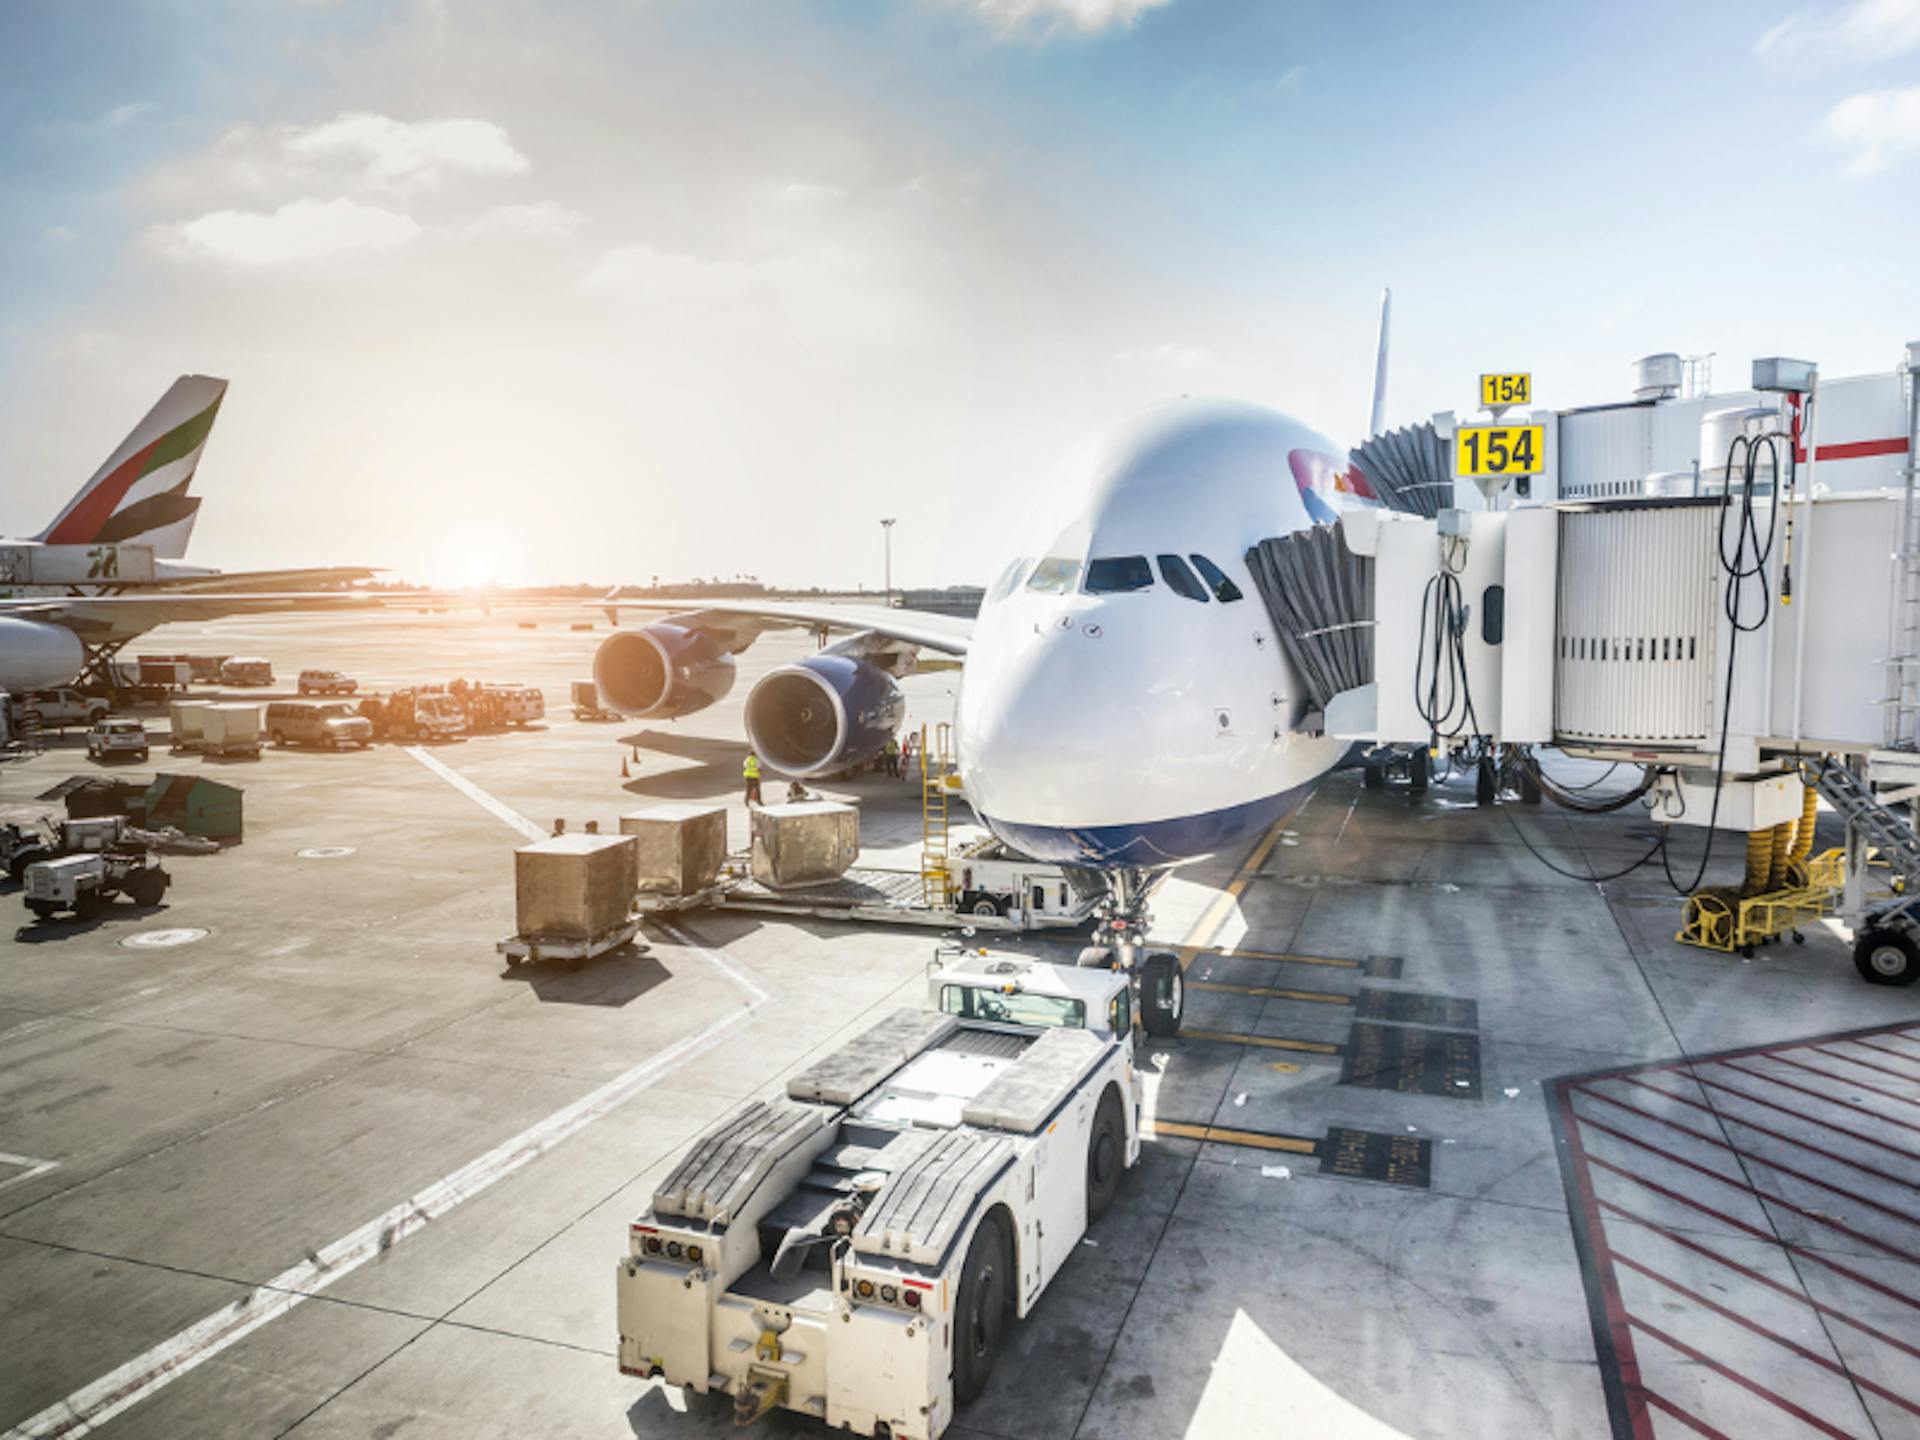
x: 625, y: 774
x: 636, y: 754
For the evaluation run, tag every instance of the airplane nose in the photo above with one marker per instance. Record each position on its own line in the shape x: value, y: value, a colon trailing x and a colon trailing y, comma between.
x: 1057, y: 723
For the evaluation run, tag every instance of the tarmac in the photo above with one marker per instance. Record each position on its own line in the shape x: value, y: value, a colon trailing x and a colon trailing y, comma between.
x: 1452, y: 1145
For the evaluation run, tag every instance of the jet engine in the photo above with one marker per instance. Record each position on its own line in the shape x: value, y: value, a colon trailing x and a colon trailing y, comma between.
x: 823, y: 714
x: 37, y: 656
x: 662, y: 671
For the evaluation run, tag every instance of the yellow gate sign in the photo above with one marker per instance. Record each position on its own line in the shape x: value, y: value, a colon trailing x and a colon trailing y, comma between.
x: 1505, y: 390
x: 1480, y: 451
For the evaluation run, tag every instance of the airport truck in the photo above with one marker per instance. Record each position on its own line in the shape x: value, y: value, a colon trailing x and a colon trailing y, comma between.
x: 86, y: 884
x: 856, y: 1248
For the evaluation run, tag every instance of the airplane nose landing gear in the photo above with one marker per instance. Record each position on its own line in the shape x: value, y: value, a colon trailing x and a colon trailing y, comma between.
x: 1159, y: 987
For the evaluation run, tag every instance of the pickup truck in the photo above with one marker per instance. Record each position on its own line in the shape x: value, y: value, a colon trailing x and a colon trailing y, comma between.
x: 113, y: 738
x: 62, y: 707
x: 855, y: 1248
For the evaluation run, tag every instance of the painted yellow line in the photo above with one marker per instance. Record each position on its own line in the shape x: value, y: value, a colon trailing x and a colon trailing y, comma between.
x: 1292, y: 1144
x: 1326, y: 960
x: 1317, y: 997
x: 1215, y: 915
x: 1311, y: 1047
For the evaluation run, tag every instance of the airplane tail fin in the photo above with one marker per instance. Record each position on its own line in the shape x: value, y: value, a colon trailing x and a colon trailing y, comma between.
x: 1377, y: 416
x: 140, y: 494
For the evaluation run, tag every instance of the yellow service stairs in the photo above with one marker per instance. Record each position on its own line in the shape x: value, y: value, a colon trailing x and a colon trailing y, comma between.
x: 1786, y: 887
x: 938, y: 786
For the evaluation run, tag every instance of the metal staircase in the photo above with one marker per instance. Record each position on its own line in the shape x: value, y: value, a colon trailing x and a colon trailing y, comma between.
x: 1903, y: 626
x: 1871, y: 824
x: 937, y: 784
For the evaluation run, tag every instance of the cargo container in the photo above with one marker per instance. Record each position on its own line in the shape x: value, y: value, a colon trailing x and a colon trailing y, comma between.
x: 678, y: 849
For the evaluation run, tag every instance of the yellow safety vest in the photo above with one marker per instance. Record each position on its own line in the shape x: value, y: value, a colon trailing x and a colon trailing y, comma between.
x: 751, y: 768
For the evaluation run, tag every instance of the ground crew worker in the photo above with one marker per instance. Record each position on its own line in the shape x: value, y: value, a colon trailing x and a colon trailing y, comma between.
x: 893, y: 758
x: 750, y: 770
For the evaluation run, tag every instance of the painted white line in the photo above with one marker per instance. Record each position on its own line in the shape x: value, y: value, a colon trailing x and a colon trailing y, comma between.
x: 91, y: 1406
x: 474, y: 793
x: 30, y: 1167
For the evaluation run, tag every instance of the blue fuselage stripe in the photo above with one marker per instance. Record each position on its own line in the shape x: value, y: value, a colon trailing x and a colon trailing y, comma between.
x: 1149, y: 843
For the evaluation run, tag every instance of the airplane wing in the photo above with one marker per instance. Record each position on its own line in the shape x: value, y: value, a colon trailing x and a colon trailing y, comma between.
x: 744, y: 621
x: 217, y: 582
x: 100, y: 618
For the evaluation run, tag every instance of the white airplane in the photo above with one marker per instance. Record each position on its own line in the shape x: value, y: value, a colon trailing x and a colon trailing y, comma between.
x: 107, y: 568
x: 1124, y: 705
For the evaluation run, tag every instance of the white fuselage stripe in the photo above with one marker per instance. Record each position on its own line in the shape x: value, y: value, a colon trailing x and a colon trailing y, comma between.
x: 91, y: 1406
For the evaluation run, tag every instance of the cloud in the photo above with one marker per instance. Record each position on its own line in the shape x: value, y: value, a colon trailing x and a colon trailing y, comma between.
x: 636, y: 272
x: 1168, y: 355
x: 541, y: 219
x: 1878, y: 126
x: 1046, y: 17
x: 398, y: 150
x: 807, y: 192
x: 1863, y: 29
x: 123, y: 115
x: 300, y: 230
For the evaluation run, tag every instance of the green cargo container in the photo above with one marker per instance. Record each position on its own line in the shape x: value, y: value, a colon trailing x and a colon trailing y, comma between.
x: 195, y: 805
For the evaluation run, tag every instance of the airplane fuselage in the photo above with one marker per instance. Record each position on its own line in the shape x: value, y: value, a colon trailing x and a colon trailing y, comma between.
x: 1125, y: 701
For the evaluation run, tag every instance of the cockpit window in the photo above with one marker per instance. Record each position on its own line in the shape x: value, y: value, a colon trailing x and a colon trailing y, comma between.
x: 1116, y: 574
x: 1054, y: 575
x: 1009, y: 578
x: 1180, y: 579
x: 1224, y: 590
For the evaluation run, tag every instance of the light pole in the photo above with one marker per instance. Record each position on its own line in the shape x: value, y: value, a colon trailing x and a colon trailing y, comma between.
x: 886, y: 535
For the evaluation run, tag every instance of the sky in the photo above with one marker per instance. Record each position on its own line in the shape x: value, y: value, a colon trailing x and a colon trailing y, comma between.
x: 540, y: 291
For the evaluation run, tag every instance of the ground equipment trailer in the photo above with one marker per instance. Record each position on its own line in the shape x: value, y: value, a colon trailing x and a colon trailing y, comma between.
x: 855, y: 1248
x: 86, y: 884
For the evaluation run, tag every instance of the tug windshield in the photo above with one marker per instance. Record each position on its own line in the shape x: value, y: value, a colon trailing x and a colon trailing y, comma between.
x: 972, y: 1002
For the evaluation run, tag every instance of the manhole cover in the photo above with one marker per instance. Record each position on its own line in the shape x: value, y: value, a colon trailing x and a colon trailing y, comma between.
x: 161, y: 939
x: 326, y: 852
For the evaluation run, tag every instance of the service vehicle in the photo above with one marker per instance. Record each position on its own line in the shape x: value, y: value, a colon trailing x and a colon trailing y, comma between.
x: 23, y: 845
x: 856, y: 1248
x: 114, y: 738
x: 332, y: 724
x: 586, y: 702
x: 86, y: 884
x: 516, y: 704
x: 326, y: 682
x: 246, y: 670
x: 65, y: 706
x: 414, y: 715
x: 164, y: 672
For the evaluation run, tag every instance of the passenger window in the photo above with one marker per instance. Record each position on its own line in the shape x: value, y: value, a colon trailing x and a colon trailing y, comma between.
x: 1224, y: 590
x: 1054, y: 576
x: 1180, y: 579
x: 1118, y: 574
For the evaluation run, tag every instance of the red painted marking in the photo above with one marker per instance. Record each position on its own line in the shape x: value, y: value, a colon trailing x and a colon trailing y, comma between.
x: 99, y: 503
x: 1784, y: 1110
x: 917, y: 1284
x: 1692, y: 1422
x: 1779, y: 1135
x: 1814, y: 1256
x: 1901, y: 1215
x: 1805, y: 1417
x: 1825, y: 1363
x: 1842, y: 1080
x: 1816, y: 1095
x: 1677, y: 1238
x: 1866, y: 1064
x: 1887, y: 1050
x: 1744, y: 1188
x: 1618, y: 1330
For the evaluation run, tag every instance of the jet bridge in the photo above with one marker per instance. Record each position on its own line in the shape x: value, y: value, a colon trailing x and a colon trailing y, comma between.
x: 1757, y: 629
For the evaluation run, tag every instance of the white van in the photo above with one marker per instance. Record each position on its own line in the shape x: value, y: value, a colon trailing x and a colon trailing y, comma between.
x: 331, y: 723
